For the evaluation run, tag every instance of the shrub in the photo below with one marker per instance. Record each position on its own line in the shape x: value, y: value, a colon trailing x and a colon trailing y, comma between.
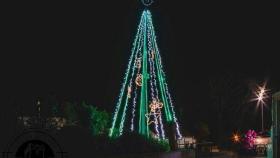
x: 80, y: 140
x: 135, y: 143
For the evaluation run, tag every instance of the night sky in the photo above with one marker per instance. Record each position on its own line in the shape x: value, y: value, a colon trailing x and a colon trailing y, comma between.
x: 80, y: 51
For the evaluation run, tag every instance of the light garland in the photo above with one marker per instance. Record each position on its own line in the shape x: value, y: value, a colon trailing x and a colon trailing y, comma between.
x: 166, y: 87
x: 144, y: 74
x: 130, y: 84
x: 153, y: 86
x: 125, y: 79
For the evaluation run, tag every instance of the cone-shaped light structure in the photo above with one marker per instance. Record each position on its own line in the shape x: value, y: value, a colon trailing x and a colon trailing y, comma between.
x: 144, y: 104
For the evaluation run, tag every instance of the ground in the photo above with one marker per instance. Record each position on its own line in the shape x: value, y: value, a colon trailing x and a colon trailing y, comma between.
x: 177, y: 154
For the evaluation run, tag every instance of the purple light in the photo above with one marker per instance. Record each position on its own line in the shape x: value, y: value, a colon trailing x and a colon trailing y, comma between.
x: 250, y: 138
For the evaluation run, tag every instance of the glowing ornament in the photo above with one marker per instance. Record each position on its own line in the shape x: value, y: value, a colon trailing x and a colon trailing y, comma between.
x: 150, y: 121
x: 152, y: 55
x: 155, y: 111
x: 147, y: 2
x: 138, y: 80
x: 155, y: 105
x: 129, y: 92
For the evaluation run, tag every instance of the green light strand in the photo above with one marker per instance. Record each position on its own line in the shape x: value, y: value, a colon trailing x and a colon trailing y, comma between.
x: 160, y: 77
x: 151, y: 71
x: 143, y: 125
x: 130, y: 83
x: 125, y: 81
x: 163, y: 86
x: 163, y: 93
x: 146, y: 76
x: 168, y: 96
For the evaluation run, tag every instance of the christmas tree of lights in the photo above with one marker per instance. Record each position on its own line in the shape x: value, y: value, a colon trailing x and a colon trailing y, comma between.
x: 144, y: 104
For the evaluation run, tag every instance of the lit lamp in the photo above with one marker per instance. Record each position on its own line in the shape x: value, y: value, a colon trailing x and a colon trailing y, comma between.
x: 236, y: 138
x: 261, y: 95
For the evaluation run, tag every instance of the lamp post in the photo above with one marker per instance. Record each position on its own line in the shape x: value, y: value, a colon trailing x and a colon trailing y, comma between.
x: 260, y: 99
x: 261, y: 95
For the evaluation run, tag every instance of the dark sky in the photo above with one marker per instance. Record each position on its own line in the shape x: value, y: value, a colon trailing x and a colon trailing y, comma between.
x: 80, y: 51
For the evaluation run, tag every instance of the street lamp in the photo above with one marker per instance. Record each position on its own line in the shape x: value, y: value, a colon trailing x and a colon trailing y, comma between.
x: 236, y: 138
x: 261, y: 95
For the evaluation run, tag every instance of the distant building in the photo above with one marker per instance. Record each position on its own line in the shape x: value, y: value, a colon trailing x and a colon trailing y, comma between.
x: 262, y: 141
x: 186, y: 142
x: 276, y: 125
x: 48, y: 122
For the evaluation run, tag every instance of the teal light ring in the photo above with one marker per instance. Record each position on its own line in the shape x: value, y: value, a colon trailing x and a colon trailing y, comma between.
x: 147, y: 2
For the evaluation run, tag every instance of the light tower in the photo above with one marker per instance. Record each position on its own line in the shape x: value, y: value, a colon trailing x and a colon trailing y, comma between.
x: 144, y: 92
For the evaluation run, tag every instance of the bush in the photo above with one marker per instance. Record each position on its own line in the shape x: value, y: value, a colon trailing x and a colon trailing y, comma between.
x: 135, y: 143
x: 78, y: 140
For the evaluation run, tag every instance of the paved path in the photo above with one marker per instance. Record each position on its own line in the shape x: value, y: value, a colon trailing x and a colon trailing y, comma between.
x: 224, y: 154
x: 178, y: 154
